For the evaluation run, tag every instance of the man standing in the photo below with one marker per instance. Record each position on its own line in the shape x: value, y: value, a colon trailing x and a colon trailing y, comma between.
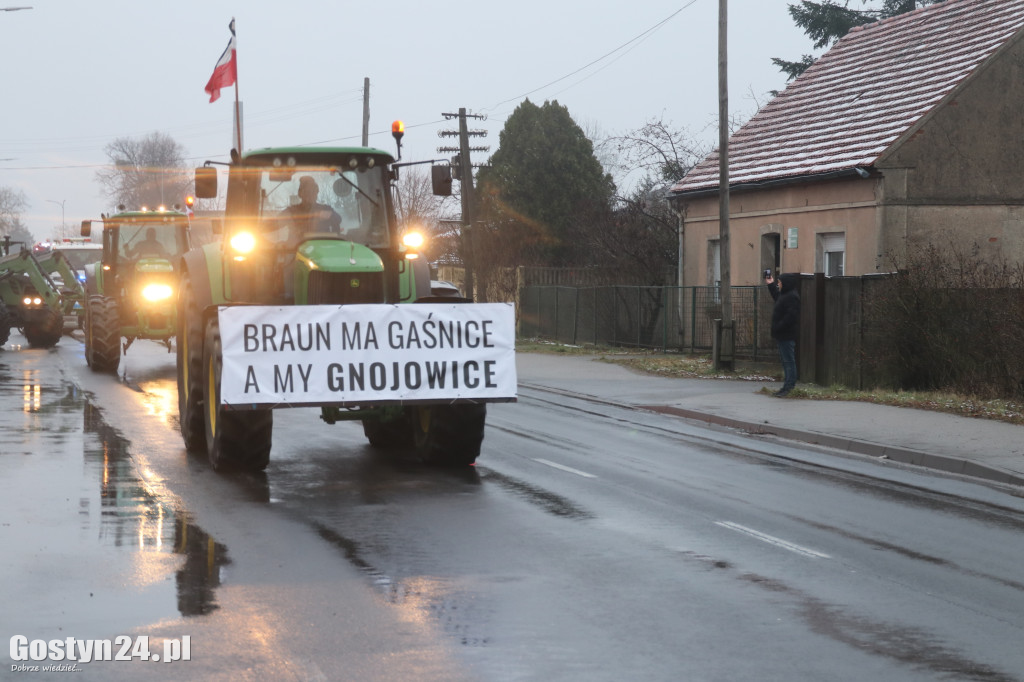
x: 785, y: 324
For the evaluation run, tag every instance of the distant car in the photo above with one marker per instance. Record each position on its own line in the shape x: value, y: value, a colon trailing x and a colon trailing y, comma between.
x: 439, y: 287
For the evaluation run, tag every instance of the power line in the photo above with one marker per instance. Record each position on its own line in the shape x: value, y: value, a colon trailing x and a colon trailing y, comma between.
x: 605, y: 56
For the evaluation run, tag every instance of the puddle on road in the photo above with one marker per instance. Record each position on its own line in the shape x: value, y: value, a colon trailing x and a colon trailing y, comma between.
x: 88, y: 531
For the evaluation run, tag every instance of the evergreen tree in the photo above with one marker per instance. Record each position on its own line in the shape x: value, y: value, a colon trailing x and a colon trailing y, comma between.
x: 827, y: 21
x: 543, y: 177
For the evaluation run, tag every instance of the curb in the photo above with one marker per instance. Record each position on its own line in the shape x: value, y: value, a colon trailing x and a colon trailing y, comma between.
x: 953, y: 465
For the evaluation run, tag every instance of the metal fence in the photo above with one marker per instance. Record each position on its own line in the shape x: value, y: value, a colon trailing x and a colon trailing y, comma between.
x: 665, y: 318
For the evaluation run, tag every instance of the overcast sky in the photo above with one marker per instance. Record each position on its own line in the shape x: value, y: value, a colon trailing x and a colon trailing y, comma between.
x: 78, y: 74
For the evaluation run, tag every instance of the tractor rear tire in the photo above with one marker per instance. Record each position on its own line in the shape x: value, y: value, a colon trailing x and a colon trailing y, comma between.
x: 102, y: 334
x: 47, y: 333
x: 189, y: 348
x: 448, y: 435
x: 235, y: 440
x: 5, y: 323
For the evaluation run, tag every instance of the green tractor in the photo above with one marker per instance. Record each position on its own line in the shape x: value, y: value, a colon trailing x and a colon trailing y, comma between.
x: 66, y: 269
x: 131, y: 292
x: 29, y: 299
x: 292, y: 277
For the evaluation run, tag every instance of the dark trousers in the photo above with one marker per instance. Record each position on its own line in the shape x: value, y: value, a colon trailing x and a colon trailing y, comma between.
x: 787, y: 353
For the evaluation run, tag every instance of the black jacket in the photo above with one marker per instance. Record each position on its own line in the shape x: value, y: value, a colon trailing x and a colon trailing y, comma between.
x: 786, y: 313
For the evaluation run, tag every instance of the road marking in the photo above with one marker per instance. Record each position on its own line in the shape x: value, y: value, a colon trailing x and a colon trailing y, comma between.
x: 584, y: 474
x: 772, y: 540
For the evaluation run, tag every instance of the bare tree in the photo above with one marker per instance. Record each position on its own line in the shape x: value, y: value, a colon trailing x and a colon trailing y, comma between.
x: 659, y: 150
x: 12, y: 203
x: 147, y: 171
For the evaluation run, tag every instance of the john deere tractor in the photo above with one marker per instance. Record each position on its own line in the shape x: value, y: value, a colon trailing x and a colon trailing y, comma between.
x: 131, y: 292
x: 316, y: 297
x: 29, y: 299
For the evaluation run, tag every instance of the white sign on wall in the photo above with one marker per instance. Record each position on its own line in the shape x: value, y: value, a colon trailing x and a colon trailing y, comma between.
x: 324, y: 354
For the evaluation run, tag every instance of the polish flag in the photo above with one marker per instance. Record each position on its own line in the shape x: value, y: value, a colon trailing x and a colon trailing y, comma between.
x: 226, y: 71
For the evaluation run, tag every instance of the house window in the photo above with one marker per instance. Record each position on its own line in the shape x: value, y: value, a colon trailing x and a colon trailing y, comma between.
x: 832, y: 253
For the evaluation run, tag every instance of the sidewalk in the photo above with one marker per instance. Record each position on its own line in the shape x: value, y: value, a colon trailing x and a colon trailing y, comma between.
x: 980, y: 448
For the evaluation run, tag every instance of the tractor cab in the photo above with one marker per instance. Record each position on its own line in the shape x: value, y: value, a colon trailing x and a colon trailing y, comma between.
x: 312, y: 225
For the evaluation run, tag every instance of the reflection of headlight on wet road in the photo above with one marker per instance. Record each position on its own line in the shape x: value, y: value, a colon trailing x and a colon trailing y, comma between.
x: 156, y: 292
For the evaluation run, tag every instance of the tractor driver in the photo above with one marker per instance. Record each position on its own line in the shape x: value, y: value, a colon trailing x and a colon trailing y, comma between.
x: 308, y: 215
x: 150, y: 247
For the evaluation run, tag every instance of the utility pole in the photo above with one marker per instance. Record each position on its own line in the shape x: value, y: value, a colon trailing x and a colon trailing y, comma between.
x: 465, y: 175
x: 366, y: 112
x: 724, y: 348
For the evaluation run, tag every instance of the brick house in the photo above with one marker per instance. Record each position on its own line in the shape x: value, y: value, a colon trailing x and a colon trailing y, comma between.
x: 908, y: 130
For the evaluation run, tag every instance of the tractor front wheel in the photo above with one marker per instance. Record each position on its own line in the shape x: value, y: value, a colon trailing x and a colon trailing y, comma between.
x: 46, y: 332
x: 189, y: 348
x: 5, y: 323
x: 238, y: 440
x: 448, y: 435
x: 102, y: 334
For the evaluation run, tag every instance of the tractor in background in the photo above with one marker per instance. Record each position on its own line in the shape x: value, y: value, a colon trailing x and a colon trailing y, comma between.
x: 131, y: 292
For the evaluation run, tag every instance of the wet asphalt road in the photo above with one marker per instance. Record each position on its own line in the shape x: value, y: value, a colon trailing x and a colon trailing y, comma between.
x: 591, y: 542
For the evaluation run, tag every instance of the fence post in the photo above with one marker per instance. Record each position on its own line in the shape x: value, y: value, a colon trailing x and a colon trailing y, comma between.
x: 539, y: 318
x: 575, y: 316
x: 757, y: 316
x: 557, y: 297
x: 638, y: 308
x: 820, y: 366
x: 615, y: 314
x: 693, y: 319
x: 664, y: 320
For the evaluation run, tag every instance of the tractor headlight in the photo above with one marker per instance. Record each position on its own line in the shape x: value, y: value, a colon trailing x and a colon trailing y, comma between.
x: 157, y: 292
x: 32, y: 301
x: 242, y: 243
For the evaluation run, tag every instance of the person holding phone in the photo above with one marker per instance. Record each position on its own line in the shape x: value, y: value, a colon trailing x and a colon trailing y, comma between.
x: 785, y: 324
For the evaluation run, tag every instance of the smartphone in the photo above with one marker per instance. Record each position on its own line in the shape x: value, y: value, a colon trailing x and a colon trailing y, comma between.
x: 767, y: 274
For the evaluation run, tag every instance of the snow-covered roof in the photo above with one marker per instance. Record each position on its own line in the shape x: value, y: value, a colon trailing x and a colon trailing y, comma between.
x: 862, y: 95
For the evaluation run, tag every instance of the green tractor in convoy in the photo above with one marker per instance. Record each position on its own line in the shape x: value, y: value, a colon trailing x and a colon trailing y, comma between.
x: 131, y: 292
x: 292, y: 277
x: 30, y: 299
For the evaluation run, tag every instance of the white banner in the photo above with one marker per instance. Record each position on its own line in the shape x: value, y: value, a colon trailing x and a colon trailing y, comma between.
x: 323, y: 354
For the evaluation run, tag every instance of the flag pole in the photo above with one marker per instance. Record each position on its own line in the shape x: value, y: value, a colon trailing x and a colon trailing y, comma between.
x: 238, y: 108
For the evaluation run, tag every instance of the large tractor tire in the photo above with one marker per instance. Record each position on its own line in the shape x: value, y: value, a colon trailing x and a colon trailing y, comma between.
x: 46, y: 332
x: 102, y: 334
x: 190, y: 369
x: 448, y: 435
x: 5, y: 323
x: 235, y: 440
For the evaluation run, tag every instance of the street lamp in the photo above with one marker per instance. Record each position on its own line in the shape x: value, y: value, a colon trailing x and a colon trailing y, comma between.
x: 61, y: 204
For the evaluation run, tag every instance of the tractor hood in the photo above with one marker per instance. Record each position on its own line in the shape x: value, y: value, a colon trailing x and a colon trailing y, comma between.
x: 338, y: 255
